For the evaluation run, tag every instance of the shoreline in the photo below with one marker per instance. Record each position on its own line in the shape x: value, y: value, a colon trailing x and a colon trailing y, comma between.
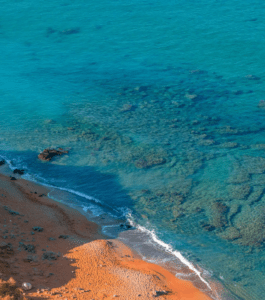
x: 70, y: 252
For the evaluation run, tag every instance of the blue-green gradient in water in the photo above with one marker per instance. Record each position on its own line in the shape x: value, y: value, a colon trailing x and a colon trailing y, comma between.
x: 160, y: 104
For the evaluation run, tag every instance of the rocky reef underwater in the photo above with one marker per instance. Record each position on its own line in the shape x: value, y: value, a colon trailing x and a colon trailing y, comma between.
x: 190, y: 155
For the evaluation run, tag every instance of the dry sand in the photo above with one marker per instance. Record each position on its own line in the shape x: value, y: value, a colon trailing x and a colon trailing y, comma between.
x: 70, y: 258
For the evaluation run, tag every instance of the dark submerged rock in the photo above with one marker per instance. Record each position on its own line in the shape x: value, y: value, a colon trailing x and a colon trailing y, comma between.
x: 208, y: 227
x: 240, y: 191
x: 2, y: 162
x: 231, y: 234
x: 252, y: 77
x: 48, y: 154
x: 142, y: 88
x: 70, y: 31
x: 261, y: 104
x: 50, y: 31
x: 219, y: 214
x: 141, y: 164
x: 127, y: 107
x: 149, y: 162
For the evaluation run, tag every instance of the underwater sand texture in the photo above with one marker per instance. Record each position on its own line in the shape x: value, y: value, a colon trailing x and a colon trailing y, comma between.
x: 162, y: 102
x: 190, y: 173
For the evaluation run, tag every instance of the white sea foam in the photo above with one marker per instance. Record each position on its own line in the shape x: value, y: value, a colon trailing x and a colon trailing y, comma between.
x: 168, y: 248
x: 96, y: 211
x: 8, y: 161
x: 40, y: 180
x: 76, y: 193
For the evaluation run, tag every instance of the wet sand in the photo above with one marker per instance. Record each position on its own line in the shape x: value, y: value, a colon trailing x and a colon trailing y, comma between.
x: 65, y: 256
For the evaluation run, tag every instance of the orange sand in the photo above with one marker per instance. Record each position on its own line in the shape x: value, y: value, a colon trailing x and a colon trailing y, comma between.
x: 89, y: 265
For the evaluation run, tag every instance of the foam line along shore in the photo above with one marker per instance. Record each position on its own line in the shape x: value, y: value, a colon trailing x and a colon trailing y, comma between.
x: 58, y: 251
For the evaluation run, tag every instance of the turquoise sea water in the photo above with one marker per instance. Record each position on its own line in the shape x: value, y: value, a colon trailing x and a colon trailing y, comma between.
x: 159, y: 103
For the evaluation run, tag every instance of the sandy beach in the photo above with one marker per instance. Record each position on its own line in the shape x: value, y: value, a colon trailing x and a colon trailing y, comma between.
x: 64, y: 256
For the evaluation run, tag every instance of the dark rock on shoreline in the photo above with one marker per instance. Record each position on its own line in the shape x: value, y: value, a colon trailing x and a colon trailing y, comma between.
x: 37, y: 228
x: 29, y: 247
x: 160, y: 293
x: 31, y: 258
x: 12, y: 178
x: 63, y: 236
x: 48, y: 154
x: 12, y: 212
x: 126, y: 226
x: 17, y: 171
x: 50, y: 255
x: 6, y: 248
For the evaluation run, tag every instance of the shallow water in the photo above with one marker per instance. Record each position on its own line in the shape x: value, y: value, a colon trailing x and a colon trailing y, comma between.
x: 159, y: 104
